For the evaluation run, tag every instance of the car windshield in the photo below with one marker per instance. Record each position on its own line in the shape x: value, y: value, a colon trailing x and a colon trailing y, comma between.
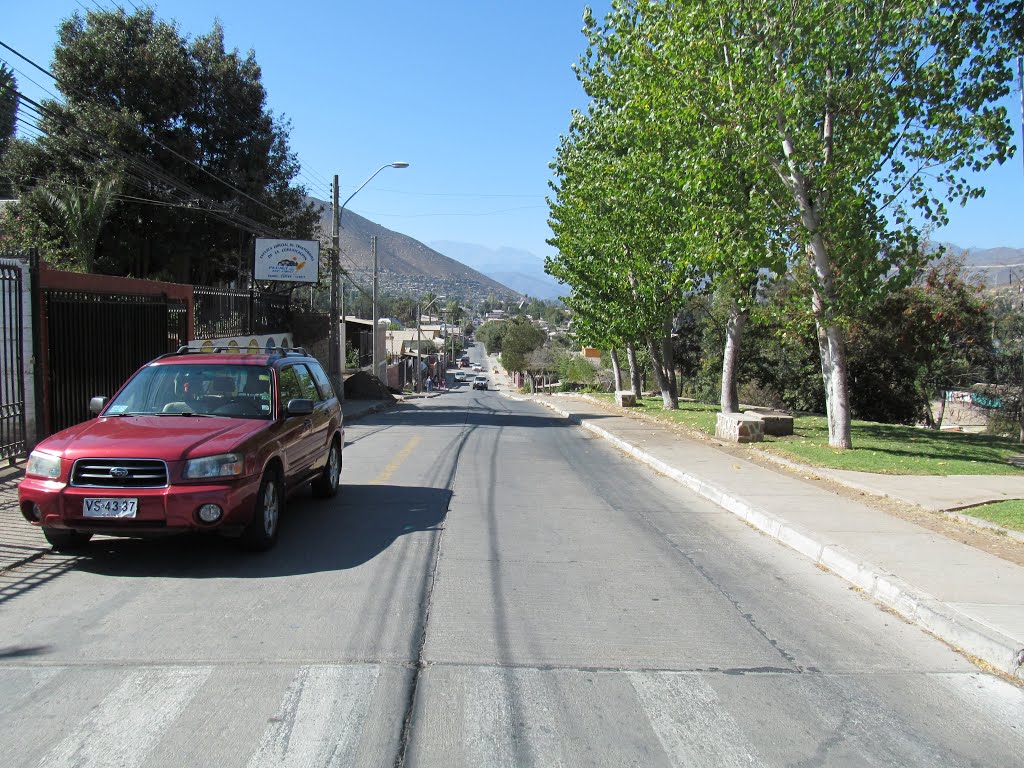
x: 234, y: 391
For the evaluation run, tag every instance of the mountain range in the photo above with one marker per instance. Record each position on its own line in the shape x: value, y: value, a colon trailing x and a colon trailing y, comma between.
x: 520, y: 270
x: 405, y: 265
x: 469, y: 271
x: 993, y: 266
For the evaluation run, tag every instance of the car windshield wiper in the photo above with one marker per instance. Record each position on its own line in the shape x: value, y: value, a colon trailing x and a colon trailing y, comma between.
x: 181, y: 413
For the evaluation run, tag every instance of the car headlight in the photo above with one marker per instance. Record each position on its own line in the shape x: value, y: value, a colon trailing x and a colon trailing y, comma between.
x: 222, y: 465
x: 43, y: 465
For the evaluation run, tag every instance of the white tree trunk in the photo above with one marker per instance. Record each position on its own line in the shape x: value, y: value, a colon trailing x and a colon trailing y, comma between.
x: 831, y: 340
x: 616, y: 370
x: 669, y: 366
x: 730, y: 401
x: 634, y: 372
x: 832, y: 347
x: 659, y: 375
x: 817, y: 305
x: 937, y: 422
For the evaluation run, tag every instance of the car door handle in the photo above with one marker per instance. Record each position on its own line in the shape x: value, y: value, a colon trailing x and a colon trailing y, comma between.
x: 307, y: 425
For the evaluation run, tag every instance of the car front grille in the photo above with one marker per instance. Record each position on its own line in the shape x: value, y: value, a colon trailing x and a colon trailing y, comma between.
x: 119, y: 473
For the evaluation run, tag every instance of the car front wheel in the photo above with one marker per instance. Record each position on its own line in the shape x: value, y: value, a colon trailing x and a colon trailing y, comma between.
x: 261, y: 532
x: 326, y: 483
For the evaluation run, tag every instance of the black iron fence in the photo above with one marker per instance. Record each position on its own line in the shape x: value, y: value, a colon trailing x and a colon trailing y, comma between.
x: 96, y: 341
x: 363, y: 342
x: 12, y: 379
x: 236, y: 312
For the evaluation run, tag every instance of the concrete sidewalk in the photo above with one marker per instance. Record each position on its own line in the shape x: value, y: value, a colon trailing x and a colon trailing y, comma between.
x: 967, y: 597
x: 21, y: 542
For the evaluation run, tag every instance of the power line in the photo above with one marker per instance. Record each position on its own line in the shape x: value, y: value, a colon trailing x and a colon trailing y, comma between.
x: 227, y: 96
x: 456, y: 194
x: 150, y: 173
x: 161, y: 144
x: 429, y: 215
x: 40, y: 86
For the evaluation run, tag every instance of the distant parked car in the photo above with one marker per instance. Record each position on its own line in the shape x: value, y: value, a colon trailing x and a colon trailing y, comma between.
x: 194, y: 441
x: 477, y: 367
x: 461, y: 376
x: 480, y: 382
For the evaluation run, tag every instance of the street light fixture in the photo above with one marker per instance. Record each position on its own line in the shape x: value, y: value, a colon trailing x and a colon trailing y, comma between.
x: 334, y: 360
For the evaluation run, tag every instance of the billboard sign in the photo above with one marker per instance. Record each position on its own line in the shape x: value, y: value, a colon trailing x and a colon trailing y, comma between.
x: 294, y: 261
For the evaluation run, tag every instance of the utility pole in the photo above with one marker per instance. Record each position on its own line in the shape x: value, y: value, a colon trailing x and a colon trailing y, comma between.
x: 334, y: 356
x: 419, y: 365
x: 342, y: 341
x: 373, y: 251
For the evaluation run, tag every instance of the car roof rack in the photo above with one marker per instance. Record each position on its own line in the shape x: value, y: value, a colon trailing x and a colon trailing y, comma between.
x: 280, y: 351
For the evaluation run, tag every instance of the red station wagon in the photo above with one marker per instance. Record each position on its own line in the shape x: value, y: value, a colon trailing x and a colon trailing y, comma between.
x: 194, y: 441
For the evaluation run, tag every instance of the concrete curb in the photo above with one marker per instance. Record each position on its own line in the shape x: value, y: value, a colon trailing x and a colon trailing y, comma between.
x: 377, y: 408
x: 916, y: 606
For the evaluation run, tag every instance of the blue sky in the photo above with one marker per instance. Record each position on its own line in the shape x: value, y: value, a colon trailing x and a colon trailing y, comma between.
x: 474, y: 94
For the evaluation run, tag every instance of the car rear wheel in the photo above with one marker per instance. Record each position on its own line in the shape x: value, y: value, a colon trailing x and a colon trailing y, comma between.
x: 261, y: 532
x: 62, y: 539
x: 326, y: 483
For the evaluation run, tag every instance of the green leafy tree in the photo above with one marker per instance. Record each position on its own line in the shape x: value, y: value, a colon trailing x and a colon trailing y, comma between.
x: 573, y: 369
x: 944, y: 332
x: 615, y: 225
x: 1008, y: 361
x: 404, y: 308
x: 205, y: 165
x: 853, y: 121
x: 491, y: 334
x: 8, y: 117
x: 519, y: 338
x: 453, y: 312
x: 681, y: 197
x: 80, y: 215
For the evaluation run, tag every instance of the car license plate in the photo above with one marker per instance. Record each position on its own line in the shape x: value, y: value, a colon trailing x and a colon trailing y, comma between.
x: 110, y: 507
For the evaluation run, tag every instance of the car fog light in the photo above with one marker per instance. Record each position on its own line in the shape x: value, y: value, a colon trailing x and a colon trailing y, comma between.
x: 210, y: 513
x: 37, y: 512
x: 32, y: 511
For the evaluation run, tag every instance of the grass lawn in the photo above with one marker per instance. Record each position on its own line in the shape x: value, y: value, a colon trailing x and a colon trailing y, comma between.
x: 1009, y: 514
x: 886, y: 448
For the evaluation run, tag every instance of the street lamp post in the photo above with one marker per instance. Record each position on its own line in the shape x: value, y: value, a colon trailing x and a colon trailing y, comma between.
x: 334, y: 361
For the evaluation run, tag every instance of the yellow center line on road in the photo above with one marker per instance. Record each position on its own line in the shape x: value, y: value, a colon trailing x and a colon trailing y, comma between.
x: 390, y: 469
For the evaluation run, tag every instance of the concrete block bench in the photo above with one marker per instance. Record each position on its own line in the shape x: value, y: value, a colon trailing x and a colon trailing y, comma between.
x: 776, y: 423
x: 739, y: 428
x: 625, y: 399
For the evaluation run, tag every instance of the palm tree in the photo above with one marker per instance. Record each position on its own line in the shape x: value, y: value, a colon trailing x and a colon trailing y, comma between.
x: 80, y: 214
x: 453, y: 312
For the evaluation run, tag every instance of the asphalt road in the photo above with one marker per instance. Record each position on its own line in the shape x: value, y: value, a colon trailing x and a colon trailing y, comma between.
x: 492, y: 587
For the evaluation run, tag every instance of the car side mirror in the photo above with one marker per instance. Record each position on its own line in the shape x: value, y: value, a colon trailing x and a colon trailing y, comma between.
x: 97, y: 404
x: 299, y: 406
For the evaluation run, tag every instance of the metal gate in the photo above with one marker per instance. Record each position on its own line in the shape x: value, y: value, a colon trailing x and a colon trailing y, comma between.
x: 96, y: 341
x: 12, y: 378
